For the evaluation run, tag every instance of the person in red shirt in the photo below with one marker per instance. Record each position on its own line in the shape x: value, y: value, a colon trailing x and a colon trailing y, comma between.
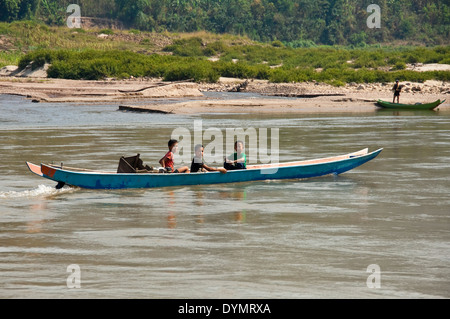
x: 167, y: 160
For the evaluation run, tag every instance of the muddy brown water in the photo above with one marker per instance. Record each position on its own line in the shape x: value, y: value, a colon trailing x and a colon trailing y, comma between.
x: 310, y: 238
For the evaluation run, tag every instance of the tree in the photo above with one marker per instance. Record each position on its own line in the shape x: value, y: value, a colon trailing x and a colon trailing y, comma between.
x: 321, y: 21
x: 9, y: 10
x: 132, y: 12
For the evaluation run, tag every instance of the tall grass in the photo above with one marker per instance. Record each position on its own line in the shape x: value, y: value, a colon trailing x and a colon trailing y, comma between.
x: 27, y: 36
x: 10, y: 58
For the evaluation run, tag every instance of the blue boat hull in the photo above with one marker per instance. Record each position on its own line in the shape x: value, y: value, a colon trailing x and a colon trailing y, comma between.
x: 295, y: 170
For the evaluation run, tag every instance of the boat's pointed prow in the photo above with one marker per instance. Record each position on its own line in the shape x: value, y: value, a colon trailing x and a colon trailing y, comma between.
x: 359, y: 153
x: 36, y: 169
x: 376, y: 152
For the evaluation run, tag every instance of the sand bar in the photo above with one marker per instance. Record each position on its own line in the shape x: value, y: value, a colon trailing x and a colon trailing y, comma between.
x: 190, y: 98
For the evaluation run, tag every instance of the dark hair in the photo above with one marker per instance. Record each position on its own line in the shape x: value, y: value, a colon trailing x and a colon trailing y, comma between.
x: 236, y: 143
x: 198, y: 146
x: 171, y: 143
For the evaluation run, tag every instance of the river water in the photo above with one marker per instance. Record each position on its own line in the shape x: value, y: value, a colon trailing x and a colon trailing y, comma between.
x: 378, y: 231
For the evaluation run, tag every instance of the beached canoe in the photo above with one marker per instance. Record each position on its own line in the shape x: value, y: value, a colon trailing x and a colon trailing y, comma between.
x: 417, y: 106
x: 112, y: 180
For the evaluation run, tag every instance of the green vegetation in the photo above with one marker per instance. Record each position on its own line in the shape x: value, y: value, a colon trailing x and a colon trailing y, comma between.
x: 21, y: 37
x: 294, y: 22
x: 99, y: 64
x: 7, y: 58
x: 30, y: 35
x: 18, y: 38
x: 203, y: 56
x: 335, y: 66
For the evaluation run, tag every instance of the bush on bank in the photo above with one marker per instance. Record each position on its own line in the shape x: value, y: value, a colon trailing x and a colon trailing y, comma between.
x: 100, y: 64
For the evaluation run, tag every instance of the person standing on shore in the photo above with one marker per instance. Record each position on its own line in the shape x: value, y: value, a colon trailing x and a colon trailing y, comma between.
x: 397, y: 88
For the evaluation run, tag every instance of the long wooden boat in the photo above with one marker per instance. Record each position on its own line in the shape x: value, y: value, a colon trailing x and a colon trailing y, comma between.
x: 417, y: 106
x: 293, y: 170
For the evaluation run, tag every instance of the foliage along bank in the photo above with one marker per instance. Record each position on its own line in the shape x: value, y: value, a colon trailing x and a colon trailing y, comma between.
x: 335, y: 66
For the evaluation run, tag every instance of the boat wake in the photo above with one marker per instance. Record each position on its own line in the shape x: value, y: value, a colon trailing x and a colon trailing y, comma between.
x: 40, y: 191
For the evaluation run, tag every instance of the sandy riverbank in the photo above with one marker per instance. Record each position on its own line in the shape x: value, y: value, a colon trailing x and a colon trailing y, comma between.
x: 79, y: 91
x: 277, y: 98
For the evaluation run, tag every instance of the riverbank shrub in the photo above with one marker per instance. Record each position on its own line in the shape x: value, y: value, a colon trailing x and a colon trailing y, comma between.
x: 330, y: 65
x: 197, y: 70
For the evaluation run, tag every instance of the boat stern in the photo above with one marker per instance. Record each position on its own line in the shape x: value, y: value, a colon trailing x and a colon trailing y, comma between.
x: 42, y: 171
x: 36, y: 169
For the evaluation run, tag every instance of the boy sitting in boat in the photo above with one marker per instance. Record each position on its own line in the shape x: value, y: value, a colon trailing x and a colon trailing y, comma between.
x: 237, y: 160
x: 198, y: 165
x: 167, y: 161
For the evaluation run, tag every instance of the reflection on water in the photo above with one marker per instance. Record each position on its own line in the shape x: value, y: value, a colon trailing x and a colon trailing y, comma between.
x: 268, y: 239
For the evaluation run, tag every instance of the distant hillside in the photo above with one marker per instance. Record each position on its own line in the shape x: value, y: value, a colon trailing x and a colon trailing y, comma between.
x: 296, y: 23
x: 205, y: 57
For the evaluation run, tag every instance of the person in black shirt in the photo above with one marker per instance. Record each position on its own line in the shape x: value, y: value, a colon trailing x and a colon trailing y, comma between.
x: 198, y: 165
x: 397, y: 88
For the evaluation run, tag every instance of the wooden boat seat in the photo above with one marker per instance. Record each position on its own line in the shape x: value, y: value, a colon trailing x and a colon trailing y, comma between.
x: 132, y: 164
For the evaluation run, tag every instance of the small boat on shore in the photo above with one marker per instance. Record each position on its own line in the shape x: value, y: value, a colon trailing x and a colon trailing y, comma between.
x: 417, y: 106
x: 92, y: 179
